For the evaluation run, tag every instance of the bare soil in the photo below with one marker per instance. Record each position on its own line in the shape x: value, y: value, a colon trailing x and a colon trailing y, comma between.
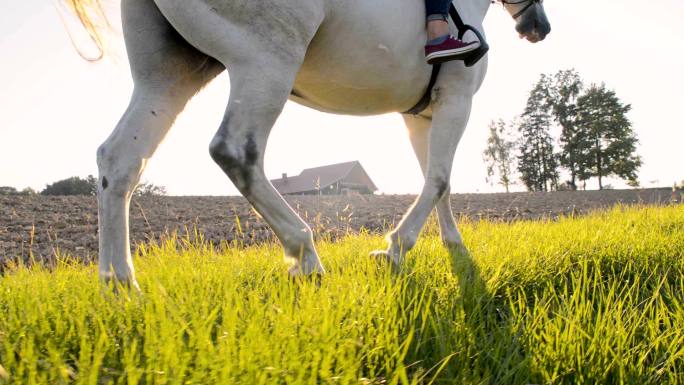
x: 41, y: 227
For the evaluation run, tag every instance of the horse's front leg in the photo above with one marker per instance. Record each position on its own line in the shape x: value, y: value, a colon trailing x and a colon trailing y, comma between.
x: 419, y: 134
x: 450, y: 116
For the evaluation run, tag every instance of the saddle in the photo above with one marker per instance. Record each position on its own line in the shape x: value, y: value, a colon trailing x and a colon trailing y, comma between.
x: 470, y: 60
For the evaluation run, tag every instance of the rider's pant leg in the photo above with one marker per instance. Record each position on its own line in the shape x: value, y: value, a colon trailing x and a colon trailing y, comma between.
x: 437, y: 9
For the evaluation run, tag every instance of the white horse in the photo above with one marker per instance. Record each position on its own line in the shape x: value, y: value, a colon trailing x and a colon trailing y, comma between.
x: 342, y: 56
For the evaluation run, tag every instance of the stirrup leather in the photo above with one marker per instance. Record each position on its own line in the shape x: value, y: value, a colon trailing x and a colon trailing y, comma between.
x: 470, y: 59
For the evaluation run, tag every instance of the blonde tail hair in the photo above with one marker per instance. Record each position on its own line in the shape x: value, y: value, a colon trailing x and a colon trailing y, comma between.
x: 92, y: 16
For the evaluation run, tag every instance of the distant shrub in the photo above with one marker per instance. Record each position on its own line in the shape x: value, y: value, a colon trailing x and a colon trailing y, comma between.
x: 72, y: 186
x: 28, y: 191
x: 88, y: 186
x: 149, y: 190
x: 7, y: 190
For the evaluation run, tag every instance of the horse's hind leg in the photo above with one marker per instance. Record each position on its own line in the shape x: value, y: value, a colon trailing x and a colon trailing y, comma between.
x: 263, y: 48
x: 256, y: 100
x: 166, y: 72
x: 419, y: 130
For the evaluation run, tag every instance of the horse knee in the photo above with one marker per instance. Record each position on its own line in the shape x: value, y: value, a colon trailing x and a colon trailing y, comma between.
x: 118, y: 174
x: 238, y: 160
x: 440, y: 185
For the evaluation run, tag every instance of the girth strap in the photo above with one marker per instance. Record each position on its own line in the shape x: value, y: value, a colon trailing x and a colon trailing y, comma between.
x: 427, y: 96
x: 472, y: 59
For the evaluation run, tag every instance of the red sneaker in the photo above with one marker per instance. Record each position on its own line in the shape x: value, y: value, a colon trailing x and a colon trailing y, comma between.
x: 451, y: 49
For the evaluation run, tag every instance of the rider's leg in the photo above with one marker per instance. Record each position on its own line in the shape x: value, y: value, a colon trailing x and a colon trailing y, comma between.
x: 442, y: 47
x: 437, y: 12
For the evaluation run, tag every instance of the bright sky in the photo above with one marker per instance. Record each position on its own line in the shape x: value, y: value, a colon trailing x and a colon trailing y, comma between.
x: 55, y: 109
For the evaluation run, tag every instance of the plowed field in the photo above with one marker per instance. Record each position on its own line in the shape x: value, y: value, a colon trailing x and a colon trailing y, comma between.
x: 41, y: 226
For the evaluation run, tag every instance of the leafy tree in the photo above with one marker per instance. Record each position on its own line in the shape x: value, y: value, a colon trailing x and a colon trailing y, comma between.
x: 72, y: 186
x: 563, y: 90
x: 537, y: 162
x: 148, y: 190
x: 633, y: 183
x: 611, y: 139
x: 499, y: 154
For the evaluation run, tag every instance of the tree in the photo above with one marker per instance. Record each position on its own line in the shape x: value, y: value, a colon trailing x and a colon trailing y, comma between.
x: 602, y: 118
x: 633, y: 183
x: 72, y: 186
x: 563, y: 90
x: 537, y: 162
x: 499, y: 154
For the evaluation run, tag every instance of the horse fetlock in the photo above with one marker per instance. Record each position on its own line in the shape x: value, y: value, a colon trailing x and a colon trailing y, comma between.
x: 301, y: 254
x: 397, y: 247
x: 402, y: 242
x: 448, y: 229
x: 114, y: 279
x: 451, y: 239
x: 305, y: 264
x: 385, y: 256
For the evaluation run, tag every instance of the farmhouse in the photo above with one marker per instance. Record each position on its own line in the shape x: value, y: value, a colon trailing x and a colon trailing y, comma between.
x: 338, y: 179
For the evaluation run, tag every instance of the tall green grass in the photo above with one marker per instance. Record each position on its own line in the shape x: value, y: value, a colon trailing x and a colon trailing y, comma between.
x: 593, y: 300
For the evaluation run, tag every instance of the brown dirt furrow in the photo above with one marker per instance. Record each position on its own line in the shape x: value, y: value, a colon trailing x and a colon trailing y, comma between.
x: 40, y: 226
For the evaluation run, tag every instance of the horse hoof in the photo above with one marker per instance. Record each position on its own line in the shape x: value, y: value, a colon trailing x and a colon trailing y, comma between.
x: 381, y: 256
x: 120, y: 284
x: 316, y: 277
x: 296, y: 271
x: 385, y: 256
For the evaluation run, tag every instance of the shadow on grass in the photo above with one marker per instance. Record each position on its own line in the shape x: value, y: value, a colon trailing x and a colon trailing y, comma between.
x: 495, y: 353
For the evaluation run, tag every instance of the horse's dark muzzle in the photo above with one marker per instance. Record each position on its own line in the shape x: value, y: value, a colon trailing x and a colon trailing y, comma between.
x: 533, y: 29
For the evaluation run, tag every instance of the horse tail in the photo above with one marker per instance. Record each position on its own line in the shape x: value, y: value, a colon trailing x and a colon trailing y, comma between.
x: 93, y: 18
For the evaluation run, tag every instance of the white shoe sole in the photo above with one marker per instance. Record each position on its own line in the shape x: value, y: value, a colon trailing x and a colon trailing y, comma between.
x: 452, y: 52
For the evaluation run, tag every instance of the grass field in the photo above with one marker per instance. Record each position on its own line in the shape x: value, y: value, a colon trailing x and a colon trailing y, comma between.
x: 592, y: 300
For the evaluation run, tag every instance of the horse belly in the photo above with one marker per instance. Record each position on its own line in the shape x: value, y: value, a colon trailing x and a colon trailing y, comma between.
x: 367, y: 58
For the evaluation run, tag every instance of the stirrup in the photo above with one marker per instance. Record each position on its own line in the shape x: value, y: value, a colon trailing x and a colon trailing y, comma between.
x: 476, y: 55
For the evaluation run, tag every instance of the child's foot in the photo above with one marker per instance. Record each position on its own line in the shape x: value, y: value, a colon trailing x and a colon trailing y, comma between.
x: 448, y: 48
